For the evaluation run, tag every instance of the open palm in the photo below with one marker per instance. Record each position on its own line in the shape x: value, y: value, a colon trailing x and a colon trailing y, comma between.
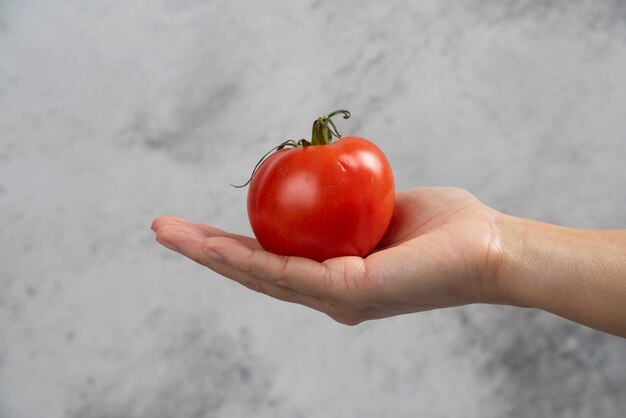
x: 439, y: 251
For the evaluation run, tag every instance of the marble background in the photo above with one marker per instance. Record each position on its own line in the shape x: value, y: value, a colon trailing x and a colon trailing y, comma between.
x: 115, y: 112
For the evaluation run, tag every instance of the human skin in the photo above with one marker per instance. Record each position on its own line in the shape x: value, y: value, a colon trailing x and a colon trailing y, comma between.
x: 579, y: 274
x: 443, y: 248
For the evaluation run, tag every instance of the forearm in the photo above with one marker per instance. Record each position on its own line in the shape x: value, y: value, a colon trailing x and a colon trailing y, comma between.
x: 574, y: 273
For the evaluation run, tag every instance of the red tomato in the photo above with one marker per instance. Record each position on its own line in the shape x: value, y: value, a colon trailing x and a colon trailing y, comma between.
x: 322, y: 201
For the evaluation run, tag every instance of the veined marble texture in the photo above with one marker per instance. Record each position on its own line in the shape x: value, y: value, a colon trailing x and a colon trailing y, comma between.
x: 115, y: 112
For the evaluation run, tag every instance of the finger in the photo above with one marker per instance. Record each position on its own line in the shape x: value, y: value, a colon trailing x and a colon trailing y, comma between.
x: 211, y: 231
x: 168, y: 220
x: 206, y: 230
x: 190, y: 243
x: 303, y: 275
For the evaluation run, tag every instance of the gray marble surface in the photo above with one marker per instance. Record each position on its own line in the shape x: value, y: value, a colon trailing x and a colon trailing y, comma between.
x: 112, y: 113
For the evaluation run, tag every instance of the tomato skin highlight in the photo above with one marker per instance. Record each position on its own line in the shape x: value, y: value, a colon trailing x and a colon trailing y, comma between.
x: 322, y: 201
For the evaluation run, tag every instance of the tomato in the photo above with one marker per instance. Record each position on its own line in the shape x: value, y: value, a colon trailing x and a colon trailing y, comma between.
x: 322, y: 201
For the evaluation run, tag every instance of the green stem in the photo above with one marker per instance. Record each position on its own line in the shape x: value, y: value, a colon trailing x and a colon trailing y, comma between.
x: 288, y: 143
x: 324, y: 128
x: 323, y: 131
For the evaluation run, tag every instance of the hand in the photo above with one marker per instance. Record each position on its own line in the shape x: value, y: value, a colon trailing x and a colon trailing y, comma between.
x: 441, y: 249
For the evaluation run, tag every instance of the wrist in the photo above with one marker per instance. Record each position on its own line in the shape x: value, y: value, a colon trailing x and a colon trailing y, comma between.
x: 574, y: 273
x: 508, y: 262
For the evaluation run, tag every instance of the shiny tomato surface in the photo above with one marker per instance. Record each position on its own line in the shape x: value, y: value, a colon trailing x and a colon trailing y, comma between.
x: 322, y: 201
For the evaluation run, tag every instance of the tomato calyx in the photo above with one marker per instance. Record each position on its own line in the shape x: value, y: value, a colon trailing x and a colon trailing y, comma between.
x: 324, y: 129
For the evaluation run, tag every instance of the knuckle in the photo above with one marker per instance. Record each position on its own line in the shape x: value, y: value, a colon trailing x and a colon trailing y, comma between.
x: 349, y: 321
x: 255, y: 286
x: 349, y: 318
x: 282, y: 269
